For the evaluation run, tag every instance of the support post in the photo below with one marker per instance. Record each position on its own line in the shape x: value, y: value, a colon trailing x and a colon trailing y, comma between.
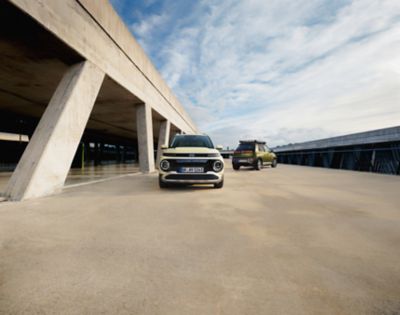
x: 163, y: 138
x: 96, y: 153
x: 83, y: 157
x: 372, y: 163
x: 47, y: 159
x: 145, y: 138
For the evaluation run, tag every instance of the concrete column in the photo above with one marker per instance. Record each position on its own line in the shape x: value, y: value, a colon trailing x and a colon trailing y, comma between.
x: 96, y: 154
x: 372, y: 165
x: 46, y: 161
x: 163, y: 138
x: 117, y: 153
x: 123, y: 157
x: 101, y: 152
x: 145, y: 138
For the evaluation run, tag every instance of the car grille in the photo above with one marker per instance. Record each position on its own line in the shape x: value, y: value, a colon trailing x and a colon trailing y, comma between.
x: 191, y: 176
x: 192, y: 154
x: 176, y: 164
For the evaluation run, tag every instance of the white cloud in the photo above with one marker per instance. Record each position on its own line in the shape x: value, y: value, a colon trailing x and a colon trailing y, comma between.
x: 285, y: 71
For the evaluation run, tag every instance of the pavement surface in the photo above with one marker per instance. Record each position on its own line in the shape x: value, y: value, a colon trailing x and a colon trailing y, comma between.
x: 77, y: 176
x: 290, y: 240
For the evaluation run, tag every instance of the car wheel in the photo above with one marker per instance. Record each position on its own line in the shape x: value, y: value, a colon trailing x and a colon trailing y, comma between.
x: 235, y: 166
x: 161, y: 183
x: 258, y: 165
x: 274, y: 163
x: 219, y: 185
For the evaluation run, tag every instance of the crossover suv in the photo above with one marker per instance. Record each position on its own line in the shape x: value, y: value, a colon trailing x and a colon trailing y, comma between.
x: 253, y: 153
x: 191, y: 159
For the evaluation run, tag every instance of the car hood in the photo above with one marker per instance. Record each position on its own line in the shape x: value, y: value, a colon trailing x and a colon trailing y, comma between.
x: 190, y: 150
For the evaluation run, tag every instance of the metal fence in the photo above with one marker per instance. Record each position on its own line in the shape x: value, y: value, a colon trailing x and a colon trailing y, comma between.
x: 384, y: 158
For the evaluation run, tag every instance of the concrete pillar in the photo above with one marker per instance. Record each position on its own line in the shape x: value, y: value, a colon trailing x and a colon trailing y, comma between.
x: 117, y: 153
x: 145, y: 138
x: 372, y: 164
x: 163, y: 138
x: 96, y: 154
x: 101, y: 152
x: 46, y: 161
x: 123, y: 155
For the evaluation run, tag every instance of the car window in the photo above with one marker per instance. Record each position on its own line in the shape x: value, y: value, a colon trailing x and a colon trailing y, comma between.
x: 192, y: 141
x: 245, y: 147
x: 267, y: 149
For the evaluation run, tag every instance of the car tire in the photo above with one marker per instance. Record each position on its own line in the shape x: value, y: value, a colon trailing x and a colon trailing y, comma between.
x: 274, y: 163
x: 219, y: 185
x: 236, y: 166
x: 161, y: 183
x: 259, y: 165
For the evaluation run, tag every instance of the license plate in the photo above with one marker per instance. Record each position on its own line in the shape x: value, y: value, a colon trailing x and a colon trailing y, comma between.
x: 192, y: 169
x: 243, y: 161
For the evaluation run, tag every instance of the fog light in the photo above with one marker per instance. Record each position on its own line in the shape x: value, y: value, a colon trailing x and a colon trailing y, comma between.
x: 164, y: 165
x: 217, y: 166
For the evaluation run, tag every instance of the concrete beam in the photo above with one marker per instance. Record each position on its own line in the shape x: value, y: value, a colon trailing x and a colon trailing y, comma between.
x: 105, y: 42
x: 163, y: 138
x: 6, y: 136
x: 145, y: 138
x: 44, y: 166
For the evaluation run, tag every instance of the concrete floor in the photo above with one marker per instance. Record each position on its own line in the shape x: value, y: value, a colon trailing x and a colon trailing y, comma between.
x: 291, y: 240
x: 78, y: 176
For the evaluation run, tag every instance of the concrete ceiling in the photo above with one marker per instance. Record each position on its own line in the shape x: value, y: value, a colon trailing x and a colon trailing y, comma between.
x: 32, y: 62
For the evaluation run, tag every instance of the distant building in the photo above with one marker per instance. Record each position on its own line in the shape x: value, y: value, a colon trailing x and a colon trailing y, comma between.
x: 371, y: 151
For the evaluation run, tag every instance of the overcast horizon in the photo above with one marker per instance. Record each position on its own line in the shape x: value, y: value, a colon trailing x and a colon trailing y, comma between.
x: 280, y: 71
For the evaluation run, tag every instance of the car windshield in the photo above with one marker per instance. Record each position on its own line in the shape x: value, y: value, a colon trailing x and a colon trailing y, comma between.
x: 245, y: 147
x: 192, y: 141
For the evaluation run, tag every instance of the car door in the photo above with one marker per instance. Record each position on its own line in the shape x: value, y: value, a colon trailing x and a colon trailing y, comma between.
x: 262, y: 153
x: 268, y: 154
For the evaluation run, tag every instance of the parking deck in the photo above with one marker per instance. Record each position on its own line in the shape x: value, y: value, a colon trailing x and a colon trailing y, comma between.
x: 291, y: 240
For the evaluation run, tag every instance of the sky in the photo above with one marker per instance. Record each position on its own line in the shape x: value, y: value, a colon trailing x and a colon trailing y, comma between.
x: 282, y: 71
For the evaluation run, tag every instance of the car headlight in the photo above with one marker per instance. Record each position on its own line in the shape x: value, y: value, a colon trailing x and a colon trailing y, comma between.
x: 217, y: 166
x: 164, y: 165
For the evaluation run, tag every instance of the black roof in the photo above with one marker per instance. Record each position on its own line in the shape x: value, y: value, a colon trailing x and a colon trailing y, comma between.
x: 252, y: 141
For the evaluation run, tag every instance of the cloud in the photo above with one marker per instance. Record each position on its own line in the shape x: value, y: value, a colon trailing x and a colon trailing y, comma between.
x: 284, y: 71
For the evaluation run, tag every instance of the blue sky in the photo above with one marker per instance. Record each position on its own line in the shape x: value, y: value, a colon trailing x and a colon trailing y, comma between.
x: 279, y: 70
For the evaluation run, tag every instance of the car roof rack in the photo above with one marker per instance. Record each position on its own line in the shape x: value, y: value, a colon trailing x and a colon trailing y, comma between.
x: 252, y: 141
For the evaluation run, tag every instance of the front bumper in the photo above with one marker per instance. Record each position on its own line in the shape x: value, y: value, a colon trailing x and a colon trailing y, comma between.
x: 191, y: 178
x: 174, y: 175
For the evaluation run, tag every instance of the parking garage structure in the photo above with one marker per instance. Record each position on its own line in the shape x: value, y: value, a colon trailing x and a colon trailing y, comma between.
x: 372, y: 151
x: 75, y: 87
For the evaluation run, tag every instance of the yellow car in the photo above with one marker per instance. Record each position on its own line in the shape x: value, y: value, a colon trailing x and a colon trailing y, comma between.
x: 253, y: 153
x: 191, y: 159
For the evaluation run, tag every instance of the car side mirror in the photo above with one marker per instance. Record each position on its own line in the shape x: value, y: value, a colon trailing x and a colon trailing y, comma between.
x: 164, y: 146
x: 219, y: 147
